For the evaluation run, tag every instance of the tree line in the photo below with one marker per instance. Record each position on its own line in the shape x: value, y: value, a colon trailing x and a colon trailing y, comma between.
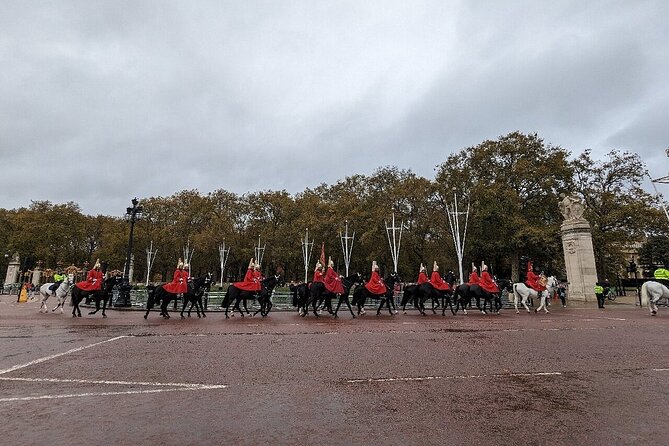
x: 512, y: 184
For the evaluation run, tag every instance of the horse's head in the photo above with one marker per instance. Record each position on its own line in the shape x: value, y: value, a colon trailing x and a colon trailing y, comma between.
x: 505, y: 284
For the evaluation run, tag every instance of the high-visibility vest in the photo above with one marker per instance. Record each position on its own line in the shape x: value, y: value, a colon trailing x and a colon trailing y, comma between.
x: 661, y: 273
x: 599, y: 289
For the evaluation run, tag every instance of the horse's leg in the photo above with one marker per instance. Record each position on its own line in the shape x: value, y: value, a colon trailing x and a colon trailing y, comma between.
x: 524, y: 302
x: 391, y: 303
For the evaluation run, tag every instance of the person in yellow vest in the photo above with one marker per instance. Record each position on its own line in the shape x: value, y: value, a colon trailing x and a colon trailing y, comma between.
x: 662, y: 275
x: 599, y: 292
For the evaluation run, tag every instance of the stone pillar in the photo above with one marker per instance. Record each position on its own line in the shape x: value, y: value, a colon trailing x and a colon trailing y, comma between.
x: 579, y: 255
x: 37, y: 276
x: 13, y: 270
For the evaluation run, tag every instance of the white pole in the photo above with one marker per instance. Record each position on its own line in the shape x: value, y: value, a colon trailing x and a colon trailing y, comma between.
x: 260, y: 251
x: 395, y: 241
x: 307, y: 247
x: 345, y: 247
x: 454, y: 223
x: 223, y: 255
x: 150, y: 258
x: 188, y: 253
x: 657, y: 194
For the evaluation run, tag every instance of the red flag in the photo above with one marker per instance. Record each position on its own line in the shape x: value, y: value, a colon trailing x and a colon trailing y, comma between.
x: 322, y: 259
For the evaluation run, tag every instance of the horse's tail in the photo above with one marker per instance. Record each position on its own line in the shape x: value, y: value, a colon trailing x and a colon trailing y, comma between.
x: 516, y: 294
x: 226, y: 299
x: 644, y: 295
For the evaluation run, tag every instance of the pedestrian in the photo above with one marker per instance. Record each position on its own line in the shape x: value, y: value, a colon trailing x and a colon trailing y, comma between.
x: 562, y: 294
x: 599, y: 292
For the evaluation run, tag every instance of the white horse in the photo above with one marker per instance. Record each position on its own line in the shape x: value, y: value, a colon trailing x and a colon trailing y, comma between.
x: 523, y: 292
x: 651, y: 292
x: 61, y: 293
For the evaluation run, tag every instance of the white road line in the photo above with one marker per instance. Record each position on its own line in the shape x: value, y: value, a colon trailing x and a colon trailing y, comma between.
x: 123, y: 383
x: 428, y: 378
x: 660, y: 370
x: 47, y: 358
x: 128, y: 392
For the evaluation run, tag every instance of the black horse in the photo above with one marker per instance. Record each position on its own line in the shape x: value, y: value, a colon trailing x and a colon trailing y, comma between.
x: 361, y: 294
x: 419, y: 294
x: 263, y: 296
x: 158, y: 295
x: 318, y: 294
x: 104, y: 294
x: 301, y: 294
x: 195, y: 298
x: 464, y: 294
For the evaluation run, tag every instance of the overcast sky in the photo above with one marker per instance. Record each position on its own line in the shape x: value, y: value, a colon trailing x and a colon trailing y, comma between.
x: 101, y: 101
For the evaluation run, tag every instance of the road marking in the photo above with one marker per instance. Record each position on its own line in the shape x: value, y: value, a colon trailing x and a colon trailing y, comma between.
x: 428, y: 378
x: 127, y: 392
x: 660, y: 370
x: 47, y: 358
x: 123, y: 383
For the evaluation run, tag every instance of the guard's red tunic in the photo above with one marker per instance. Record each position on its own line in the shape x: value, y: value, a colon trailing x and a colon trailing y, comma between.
x: 250, y: 282
x: 376, y: 284
x: 487, y: 283
x: 474, y: 279
x: 175, y: 285
x: 438, y: 282
x: 185, y: 275
x: 93, y: 281
x: 533, y: 282
x: 318, y: 276
x: 422, y: 278
x: 333, y: 282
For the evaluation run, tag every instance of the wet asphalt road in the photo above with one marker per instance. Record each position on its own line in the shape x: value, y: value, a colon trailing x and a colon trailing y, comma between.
x: 575, y: 376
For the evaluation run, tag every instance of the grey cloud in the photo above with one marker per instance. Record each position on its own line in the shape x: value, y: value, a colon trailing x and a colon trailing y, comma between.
x: 103, y: 100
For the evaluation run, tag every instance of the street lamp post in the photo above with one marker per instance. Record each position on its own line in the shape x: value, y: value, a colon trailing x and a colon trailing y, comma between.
x: 132, y: 214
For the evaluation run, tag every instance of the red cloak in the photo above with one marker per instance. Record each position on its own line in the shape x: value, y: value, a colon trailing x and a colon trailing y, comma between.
x: 250, y: 282
x: 438, y: 282
x: 422, y: 278
x: 93, y: 281
x: 175, y: 285
x: 533, y: 282
x: 474, y: 279
x: 487, y: 283
x: 333, y: 282
x: 375, y: 284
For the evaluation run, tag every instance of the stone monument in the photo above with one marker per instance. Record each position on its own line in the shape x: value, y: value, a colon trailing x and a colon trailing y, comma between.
x: 13, y: 270
x: 579, y: 255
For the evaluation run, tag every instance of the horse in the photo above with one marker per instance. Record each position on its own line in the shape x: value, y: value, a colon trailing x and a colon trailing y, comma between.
x: 61, y: 293
x: 348, y: 282
x: 651, y: 293
x: 523, y: 292
x: 300, y: 293
x: 263, y: 296
x: 200, y: 286
x: 104, y: 294
x: 158, y: 294
x: 361, y: 294
x: 318, y: 293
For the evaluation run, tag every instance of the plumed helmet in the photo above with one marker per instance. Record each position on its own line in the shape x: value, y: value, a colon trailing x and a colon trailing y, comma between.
x: 435, y: 267
x: 186, y: 266
x: 330, y: 262
x: 473, y: 267
x: 257, y: 266
x: 318, y: 266
x: 97, y: 264
x: 251, y: 264
x: 422, y: 268
x: 484, y: 267
x: 375, y: 266
x: 180, y: 264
